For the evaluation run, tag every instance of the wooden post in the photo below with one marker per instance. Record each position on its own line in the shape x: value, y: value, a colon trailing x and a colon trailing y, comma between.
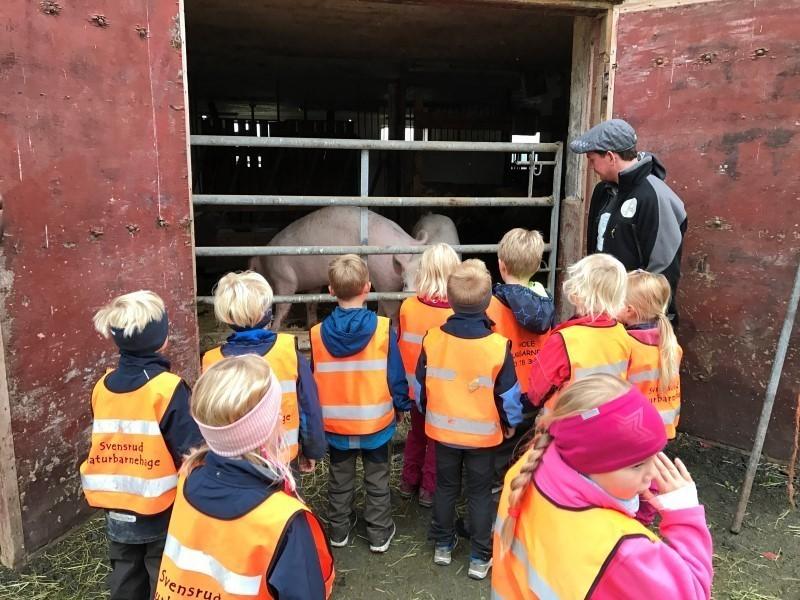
x: 573, y: 207
x: 12, y: 542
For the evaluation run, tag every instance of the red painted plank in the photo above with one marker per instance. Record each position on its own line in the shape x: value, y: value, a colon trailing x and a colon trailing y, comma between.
x: 714, y: 89
x: 94, y: 178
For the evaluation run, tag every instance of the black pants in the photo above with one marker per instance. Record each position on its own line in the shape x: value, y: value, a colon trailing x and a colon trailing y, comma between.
x: 134, y: 569
x: 479, y: 466
x: 509, y: 450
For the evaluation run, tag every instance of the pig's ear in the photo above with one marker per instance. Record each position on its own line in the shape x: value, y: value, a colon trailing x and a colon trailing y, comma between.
x: 422, y: 237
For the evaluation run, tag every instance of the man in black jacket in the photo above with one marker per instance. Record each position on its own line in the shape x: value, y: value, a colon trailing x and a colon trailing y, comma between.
x: 633, y: 214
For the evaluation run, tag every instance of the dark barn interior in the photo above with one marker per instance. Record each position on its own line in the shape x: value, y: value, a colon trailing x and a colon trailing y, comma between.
x: 371, y: 70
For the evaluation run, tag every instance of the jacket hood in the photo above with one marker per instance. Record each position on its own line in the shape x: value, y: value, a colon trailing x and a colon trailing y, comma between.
x: 348, y: 330
x: 646, y: 333
x: 229, y: 488
x: 647, y: 165
x: 566, y: 487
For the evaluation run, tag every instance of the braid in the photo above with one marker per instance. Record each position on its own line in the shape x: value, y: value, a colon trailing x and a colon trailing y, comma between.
x: 520, y: 483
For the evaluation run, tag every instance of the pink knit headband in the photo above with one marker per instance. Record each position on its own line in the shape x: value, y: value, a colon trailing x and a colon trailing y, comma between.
x: 251, y: 430
x: 617, y: 434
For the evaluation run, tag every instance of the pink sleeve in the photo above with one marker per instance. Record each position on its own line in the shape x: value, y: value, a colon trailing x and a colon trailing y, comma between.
x: 678, y: 567
x: 549, y: 371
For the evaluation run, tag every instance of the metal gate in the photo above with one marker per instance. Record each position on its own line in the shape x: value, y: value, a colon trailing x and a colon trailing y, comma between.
x: 535, y: 161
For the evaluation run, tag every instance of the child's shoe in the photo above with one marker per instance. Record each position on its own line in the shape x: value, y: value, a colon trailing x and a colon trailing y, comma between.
x: 341, y: 537
x: 479, y: 568
x: 425, y: 498
x: 443, y: 552
x: 381, y: 544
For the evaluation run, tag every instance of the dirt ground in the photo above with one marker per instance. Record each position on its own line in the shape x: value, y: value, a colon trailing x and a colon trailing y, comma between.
x: 761, y: 563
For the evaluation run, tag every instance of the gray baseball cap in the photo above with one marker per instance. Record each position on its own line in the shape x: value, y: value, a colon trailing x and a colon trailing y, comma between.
x: 614, y: 135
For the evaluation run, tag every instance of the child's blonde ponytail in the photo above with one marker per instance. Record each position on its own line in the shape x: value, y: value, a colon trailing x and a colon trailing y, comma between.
x: 669, y: 352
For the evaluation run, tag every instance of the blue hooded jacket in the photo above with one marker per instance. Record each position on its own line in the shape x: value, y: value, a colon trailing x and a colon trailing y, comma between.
x: 345, y: 332
x: 260, y: 341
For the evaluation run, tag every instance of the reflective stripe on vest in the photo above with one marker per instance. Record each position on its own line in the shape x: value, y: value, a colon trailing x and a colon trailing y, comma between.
x: 282, y: 359
x: 129, y: 466
x: 231, y: 558
x: 189, y: 559
x: 354, y: 391
x: 618, y: 369
x: 645, y: 373
x: 525, y: 345
x: 139, y: 486
x: 459, y: 386
x: 548, y: 561
x: 126, y: 426
x: 350, y: 366
x: 415, y: 319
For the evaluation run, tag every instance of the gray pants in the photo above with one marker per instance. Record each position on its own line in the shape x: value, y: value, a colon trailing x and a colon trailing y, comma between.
x: 342, y: 490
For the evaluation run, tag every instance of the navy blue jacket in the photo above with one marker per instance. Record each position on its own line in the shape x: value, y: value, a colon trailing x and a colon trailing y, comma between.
x: 261, y: 341
x: 506, y: 386
x: 226, y: 489
x: 178, y: 429
x: 347, y: 331
x: 532, y: 306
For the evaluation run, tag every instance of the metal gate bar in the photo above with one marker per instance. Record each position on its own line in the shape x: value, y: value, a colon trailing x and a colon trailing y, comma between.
x: 364, y: 201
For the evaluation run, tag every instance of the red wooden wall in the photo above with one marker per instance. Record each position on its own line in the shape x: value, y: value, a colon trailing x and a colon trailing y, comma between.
x: 714, y: 90
x: 94, y: 181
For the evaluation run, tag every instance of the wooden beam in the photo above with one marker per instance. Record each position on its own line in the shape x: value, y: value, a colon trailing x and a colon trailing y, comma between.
x: 640, y: 5
x: 12, y: 541
x: 570, y: 5
x: 581, y: 96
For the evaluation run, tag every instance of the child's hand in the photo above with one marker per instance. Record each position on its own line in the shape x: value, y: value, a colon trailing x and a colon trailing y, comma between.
x: 676, y: 490
x: 306, y: 465
x: 508, y: 432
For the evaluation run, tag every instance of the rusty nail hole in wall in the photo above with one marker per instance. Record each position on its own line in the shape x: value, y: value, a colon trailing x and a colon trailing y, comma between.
x: 760, y: 52
x: 49, y: 7
x: 707, y: 57
x: 162, y: 222
x: 659, y: 61
x: 142, y: 31
x: 132, y: 228
x: 99, y: 20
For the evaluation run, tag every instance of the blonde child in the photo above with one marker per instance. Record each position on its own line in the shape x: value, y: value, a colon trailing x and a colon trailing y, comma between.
x: 565, y: 526
x: 590, y: 342
x: 361, y: 383
x: 429, y: 308
x: 523, y: 311
x: 466, y: 387
x: 243, y: 301
x: 141, y: 429
x: 656, y: 357
x: 238, y: 529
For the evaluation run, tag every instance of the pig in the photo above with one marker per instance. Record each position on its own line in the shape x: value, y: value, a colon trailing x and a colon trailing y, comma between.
x: 435, y: 228
x: 336, y: 226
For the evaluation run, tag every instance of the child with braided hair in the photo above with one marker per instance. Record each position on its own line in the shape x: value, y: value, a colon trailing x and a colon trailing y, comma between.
x: 565, y: 526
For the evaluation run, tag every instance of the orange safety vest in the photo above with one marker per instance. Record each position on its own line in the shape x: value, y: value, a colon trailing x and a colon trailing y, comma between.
x: 416, y: 318
x: 644, y: 373
x: 129, y: 466
x: 556, y: 552
x: 220, y: 559
x: 354, y: 390
x: 525, y: 345
x: 459, y: 387
x: 595, y: 349
x: 282, y: 359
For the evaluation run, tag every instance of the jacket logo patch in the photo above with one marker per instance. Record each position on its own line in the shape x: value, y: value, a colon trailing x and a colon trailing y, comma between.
x: 628, y: 208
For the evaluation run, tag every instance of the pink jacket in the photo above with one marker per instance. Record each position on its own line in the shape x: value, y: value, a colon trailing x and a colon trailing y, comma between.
x: 677, y: 570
